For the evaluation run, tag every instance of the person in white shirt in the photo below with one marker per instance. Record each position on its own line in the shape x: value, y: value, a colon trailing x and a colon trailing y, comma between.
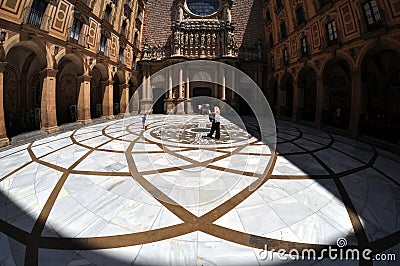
x: 216, y: 124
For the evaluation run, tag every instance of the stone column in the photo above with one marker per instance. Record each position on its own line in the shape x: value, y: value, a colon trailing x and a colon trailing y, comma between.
x: 223, y: 82
x: 4, y: 141
x: 279, y: 99
x: 189, y: 108
x: 169, y: 105
x: 108, y: 103
x: 48, y: 103
x: 84, y: 115
x: 135, y: 103
x: 180, y: 107
x: 295, y: 100
x: 233, y: 92
x: 146, y: 101
x: 356, y: 97
x: 319, y: 100
x: 124, y: 89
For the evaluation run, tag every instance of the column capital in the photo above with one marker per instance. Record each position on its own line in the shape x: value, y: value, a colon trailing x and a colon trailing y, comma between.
x: 84, y: 78
x: 2, y: 66
x: 49, y: 72
x: 108, y: 82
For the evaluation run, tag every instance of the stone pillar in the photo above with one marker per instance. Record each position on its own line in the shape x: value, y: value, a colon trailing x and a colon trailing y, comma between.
x: 124, y: 103
x: 108, y: 103
x: 84, y: 115
x: 146, y: 102
x: 279, y: 99
x: 223, y: 82
x: 4, y: 141
x: 356, y: 97
x: 180, y: 107
x: 189, y: 108
x: 319, y: 100
x: 48, y: 104
x: 233, y: 92
x: 295, y: 100
x: 135, y: 103
x: 169, y: 105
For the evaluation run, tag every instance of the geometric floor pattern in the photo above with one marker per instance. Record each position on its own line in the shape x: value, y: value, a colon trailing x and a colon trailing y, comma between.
x: 114, y: 194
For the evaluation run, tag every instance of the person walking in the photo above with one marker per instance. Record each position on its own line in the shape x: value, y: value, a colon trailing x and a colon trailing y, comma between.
x: 216, y: 124
x: 144, y: 118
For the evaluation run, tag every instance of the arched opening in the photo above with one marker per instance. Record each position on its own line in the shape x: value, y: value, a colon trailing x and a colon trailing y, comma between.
x: 159, y: 96
x: 307, y: 89
x: 287, y: 95
x: 97, y: 89
x: 380, y: 72
x: 116, y: 95
x: 337, y: 90
x: 23, y: 89
x: 202, y: 91
x: 272, y: 95
x: 68, y: 89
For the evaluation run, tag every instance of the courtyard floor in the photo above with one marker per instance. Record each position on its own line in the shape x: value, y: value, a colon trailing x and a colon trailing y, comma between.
x: 114, y: 193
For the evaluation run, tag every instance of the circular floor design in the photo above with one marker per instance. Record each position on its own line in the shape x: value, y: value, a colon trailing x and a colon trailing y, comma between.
x: 128, y: 193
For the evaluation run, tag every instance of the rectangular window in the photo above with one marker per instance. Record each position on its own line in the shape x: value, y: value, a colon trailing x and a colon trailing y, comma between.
x: 76, y: 29
x: 332, y: 31
x: 285, y: 56
x: 372, y: 12
x: 121, y: 55
x: 103, y: 41
x: 304, y: 46
x: 283, y: 30
x: 272, y: 63
x: 301, y: 18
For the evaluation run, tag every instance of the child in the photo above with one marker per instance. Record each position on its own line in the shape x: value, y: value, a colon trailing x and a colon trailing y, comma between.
x: 144, y: 121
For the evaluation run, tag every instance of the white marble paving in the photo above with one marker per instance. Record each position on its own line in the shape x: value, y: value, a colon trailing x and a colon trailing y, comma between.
x: 96, y: 204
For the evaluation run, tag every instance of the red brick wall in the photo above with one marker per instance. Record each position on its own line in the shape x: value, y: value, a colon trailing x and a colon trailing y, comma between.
x: 246, y: 17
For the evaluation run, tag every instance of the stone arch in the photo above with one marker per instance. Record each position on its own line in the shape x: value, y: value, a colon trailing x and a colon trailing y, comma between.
x: 99, y: 81
x: 70, y: 69
x: 337, y: 93
x: 287, y: 92
x: 307, y: 94
x: 25, y: 61
x: 119, y: 81
x: 372, y: 46
x: 272, y: 94
x: 380, y: 102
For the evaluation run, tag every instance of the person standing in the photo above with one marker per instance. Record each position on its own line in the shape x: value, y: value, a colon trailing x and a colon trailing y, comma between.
x: 144, y: 118
x: 216, y: 124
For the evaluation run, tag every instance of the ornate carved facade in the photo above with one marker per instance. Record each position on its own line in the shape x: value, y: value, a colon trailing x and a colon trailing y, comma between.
x: 331, y: 64
x: 66, y: 61
x: 214, y: 30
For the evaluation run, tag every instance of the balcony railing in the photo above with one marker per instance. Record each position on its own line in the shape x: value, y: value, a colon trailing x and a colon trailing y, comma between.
x: 125, y: 32
x: 122, y: 59
x: 36, y: 19
x: 77, y: 37
x: 139, y: 17
x: 304, y: 52
x: 326, y: 41
x: 103, y: 50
